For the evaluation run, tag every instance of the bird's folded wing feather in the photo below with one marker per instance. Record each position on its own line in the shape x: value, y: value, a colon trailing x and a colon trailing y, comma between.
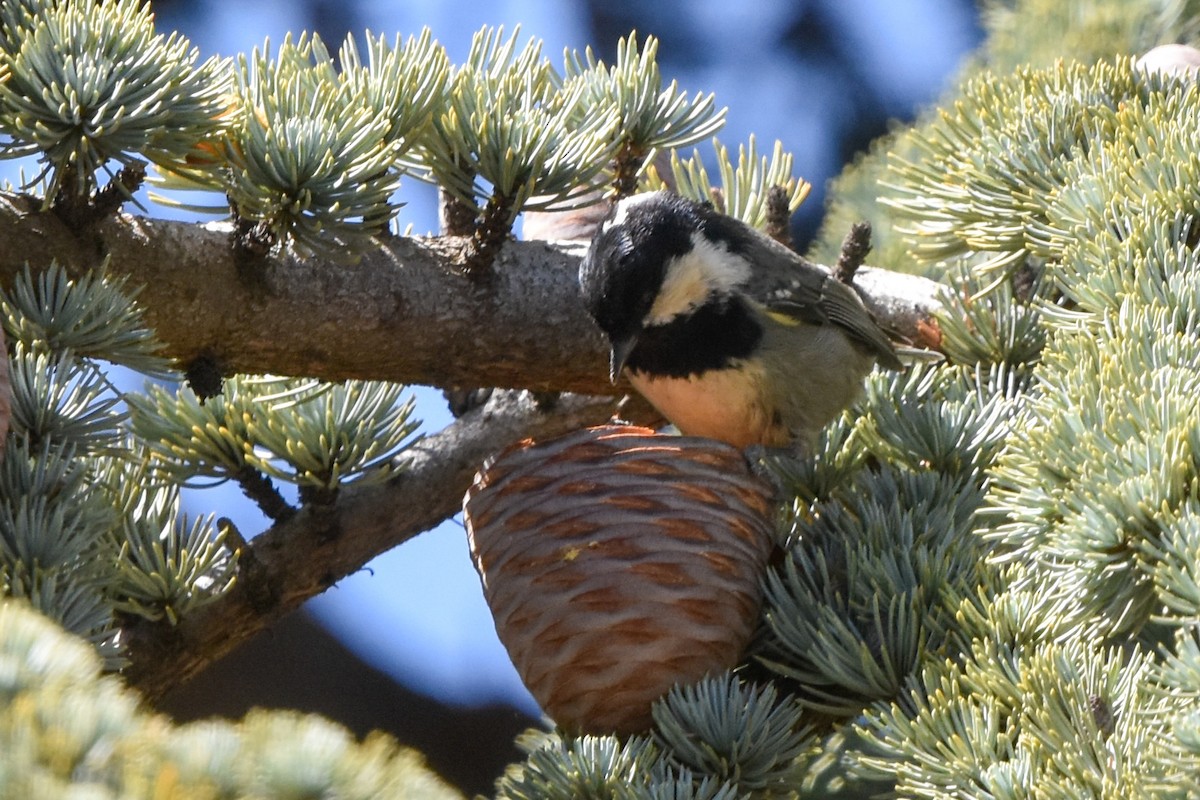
x: 791, y: 288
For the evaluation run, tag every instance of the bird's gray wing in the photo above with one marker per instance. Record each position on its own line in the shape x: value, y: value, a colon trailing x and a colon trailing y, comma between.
x: 793, y: 289
x: 845, y: 308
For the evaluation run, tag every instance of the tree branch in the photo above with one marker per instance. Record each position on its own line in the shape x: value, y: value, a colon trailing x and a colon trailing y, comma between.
x: 407, y: 312
x: 301, y: 557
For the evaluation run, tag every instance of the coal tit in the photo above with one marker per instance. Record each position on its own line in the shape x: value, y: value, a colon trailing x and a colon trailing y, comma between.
x: 727, y: 333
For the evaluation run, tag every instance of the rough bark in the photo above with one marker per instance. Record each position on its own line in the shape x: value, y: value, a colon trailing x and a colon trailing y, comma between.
x: 406, y: 312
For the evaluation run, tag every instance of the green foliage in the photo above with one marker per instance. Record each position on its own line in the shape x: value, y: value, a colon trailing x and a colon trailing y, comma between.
x: 1039, y: 32
x: 988, y: 580
x: 49, y: 521
x: 1123, y: 225
x: 194, y: 439
x: 743, y: 189
x: 1053, y: 113
x: 1030, y: 35
x: 1064, y: 719
x: 870, y: 588
x: 315, y: 152
x: 67, y: 732
x: 516, y: 133
x: 1178, y: 685
x: 995, y: 325
x: 1103, y: 464
x: 585, y: 768
x: 308, y: 151
x: 308, y: 157
x: 318, y: 436
x: 420, y: 66
x: 950, y: 420
x: 170, y: 565
x: 85, y: 530
x: 54, y: 544
x: 332, y: 435
x: 91, y: 316
x: 649, y: 117
x: 685, y: 786
x: 721, y: 739
x: 836, y: 460
x: 744, y: 735
x: 61, y: 399
x: 83, y: 86
x: 1083, y: 178
x: 18, y: 17
x: 1071, y: 199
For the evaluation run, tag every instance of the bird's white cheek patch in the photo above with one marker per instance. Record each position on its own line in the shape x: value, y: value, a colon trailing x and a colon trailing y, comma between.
x: 705, y: 271
x: 721, y: 404
x: 685, y: 288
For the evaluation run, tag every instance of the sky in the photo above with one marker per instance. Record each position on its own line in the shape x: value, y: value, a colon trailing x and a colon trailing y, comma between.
x: 418, y: 612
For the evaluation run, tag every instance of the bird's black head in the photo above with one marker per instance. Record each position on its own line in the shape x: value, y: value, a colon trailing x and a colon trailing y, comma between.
x: 623, y: 271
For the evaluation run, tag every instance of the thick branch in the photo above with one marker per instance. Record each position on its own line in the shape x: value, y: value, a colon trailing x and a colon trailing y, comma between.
x: 303, y: 556
x: 407, y: 312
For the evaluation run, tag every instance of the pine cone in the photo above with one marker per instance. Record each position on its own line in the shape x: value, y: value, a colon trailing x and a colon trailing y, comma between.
x: 618, y: 562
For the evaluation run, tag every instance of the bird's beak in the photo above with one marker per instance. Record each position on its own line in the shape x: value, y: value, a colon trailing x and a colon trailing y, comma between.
x: 621, y: 348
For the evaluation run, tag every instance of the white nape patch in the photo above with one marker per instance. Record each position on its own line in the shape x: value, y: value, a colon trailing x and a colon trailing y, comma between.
x: 626, y: 205
x: 707, y: 269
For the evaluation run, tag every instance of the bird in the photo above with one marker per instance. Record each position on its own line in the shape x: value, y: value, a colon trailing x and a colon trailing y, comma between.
x: 727, y: 333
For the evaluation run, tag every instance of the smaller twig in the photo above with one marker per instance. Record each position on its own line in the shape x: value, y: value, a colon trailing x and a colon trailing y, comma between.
x: 261, y: 489
x: 250, y: 570
x: 1103, y: 715
x: 855, y: 247
x: 1024, y: 281
x: 458, y: 218
x: 320, y: 503
x: 491, y: 232
x: 125, y: 183
x: 311, y: 495
x: 253, y: 240
x: 235, y: 541
x: 455, y: 217
x: 70, y: 206
x: 627, y: 168
x: 82, y: 211
x: 779, y: 216
x: 545, y: 401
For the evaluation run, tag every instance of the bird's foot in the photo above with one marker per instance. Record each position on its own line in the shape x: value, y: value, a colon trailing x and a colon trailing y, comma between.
x: 775, y: 465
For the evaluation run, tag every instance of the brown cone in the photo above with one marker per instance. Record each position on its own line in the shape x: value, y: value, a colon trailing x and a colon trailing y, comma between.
x: 618, y: 562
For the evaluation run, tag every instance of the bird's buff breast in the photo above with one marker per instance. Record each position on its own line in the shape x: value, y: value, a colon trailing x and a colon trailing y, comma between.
x: 724, y: 404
